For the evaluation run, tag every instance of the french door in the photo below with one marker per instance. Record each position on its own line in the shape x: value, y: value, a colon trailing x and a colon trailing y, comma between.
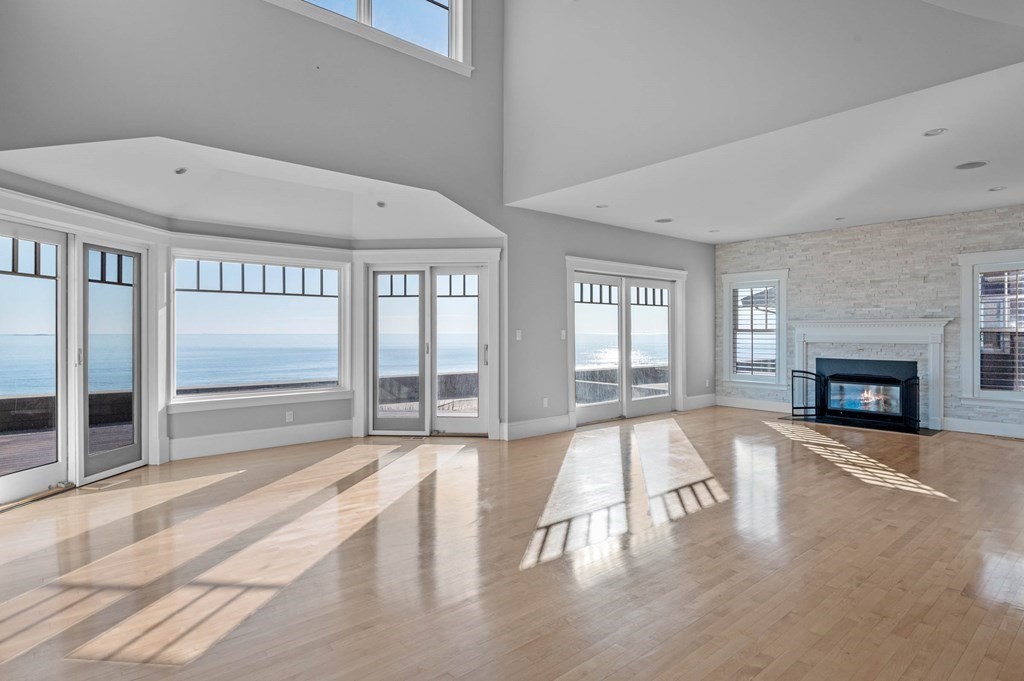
x: 622, y: 347
x: 111, y: 367
x: 429, y: 351
x: 33, y: 360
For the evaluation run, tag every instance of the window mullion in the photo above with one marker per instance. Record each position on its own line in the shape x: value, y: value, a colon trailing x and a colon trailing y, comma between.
x: 364, y: 12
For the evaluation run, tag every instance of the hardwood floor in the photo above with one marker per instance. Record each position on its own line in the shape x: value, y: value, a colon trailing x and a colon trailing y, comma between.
x: 715, y: 544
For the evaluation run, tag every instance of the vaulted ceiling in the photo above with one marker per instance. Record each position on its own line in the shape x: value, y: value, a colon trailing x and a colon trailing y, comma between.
x: 746, y: 119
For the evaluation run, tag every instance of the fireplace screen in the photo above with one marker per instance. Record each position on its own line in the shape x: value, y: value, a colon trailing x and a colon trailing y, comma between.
x: 873, y: 399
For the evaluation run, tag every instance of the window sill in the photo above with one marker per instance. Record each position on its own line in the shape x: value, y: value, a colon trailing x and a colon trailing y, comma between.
x: 195, y: 404
x: 756, y: 384
x: 994, y: 401
x: 374, y: 35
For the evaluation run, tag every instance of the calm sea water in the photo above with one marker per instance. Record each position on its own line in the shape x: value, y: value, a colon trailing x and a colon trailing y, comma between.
x: 27, y: 363
x: 595, y: 350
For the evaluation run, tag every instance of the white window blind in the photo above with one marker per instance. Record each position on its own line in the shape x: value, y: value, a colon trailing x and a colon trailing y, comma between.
x: 755, y: 340
x: 1001, y: 329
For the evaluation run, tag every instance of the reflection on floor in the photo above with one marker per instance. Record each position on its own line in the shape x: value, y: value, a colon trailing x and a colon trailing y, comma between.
x: 856, y: 464
x: 187, y: 622
x: 619, y: 480
x: 386, y: 558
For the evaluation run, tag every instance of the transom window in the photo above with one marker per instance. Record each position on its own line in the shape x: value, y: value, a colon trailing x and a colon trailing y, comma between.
x: 436, y: 26
x: 244, y: 326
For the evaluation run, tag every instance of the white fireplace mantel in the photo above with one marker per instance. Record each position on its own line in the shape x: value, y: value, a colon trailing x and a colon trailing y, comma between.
x: 930, y: 332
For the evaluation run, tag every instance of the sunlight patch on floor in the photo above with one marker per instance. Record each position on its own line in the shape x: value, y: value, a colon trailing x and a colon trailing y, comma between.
x: 858, y: 465
x: 617, y: 481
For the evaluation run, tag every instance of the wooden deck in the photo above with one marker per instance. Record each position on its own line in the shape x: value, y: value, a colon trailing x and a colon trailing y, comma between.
x: 21, y: 451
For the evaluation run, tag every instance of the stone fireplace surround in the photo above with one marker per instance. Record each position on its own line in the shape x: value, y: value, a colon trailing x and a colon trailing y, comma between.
x: 897, y: 339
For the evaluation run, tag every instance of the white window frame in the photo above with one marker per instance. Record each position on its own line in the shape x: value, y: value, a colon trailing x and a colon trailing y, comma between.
x: 460, y: 24
x: 251, y: 398
x: 971, y: 267
x: 675, y: 282
x: 733, y: 281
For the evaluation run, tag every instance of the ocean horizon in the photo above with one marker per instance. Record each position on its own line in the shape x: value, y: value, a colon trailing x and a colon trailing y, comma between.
x: 213, y: 360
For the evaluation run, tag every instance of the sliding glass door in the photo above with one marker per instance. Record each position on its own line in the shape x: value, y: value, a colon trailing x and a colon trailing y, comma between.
x: 429, y: 351
x: 399, y: 353
x: 622, y: 347
x: 459, y: 355
x: 33, y: 414
x: 111, y: 354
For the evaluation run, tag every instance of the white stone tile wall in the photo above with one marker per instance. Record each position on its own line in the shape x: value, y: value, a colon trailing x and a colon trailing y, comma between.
x: 898, y: 270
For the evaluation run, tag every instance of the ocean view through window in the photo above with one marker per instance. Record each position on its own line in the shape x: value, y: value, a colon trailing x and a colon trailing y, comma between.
x: 243, y: 327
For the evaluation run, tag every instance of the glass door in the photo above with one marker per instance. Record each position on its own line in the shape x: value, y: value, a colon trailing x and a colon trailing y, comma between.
x: 460, y: 353
x: 400, y: 352
x: 598, y: 347
x: 111, y: 361
x: 647, y: 346
x: 622, y: 341
x: 33, y: 414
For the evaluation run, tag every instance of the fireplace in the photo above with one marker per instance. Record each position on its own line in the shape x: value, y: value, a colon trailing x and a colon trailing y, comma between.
x: 868, y: 393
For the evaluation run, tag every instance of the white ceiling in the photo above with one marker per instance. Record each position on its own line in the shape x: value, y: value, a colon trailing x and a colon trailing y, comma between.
x: 1003, y: 11
x: 224, y: 187
x: 758, y: 118
x: 868, y: 165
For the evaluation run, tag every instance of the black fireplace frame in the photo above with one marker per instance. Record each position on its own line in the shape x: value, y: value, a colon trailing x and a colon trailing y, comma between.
x: 810, y: 400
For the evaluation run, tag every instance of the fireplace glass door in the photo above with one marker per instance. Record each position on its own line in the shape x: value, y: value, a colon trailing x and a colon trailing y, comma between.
x: 845, y: 395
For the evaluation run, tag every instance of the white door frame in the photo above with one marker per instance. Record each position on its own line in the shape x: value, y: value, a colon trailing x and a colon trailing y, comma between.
x: 461, y: 425
x: 34, y: 480
x: 362, y: 327
x: 147, y: 386
x: 676, y: 280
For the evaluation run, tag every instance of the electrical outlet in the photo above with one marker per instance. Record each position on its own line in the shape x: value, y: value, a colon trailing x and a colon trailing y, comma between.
x: 544, y: 402
x: 707, y: 383
x: 563, y: 334
x: 289, y: 416
x: 519, y: 334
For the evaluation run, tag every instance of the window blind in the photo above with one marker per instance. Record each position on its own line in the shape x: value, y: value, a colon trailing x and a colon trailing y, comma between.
x: 1001, y: 329
x: 754, y: 330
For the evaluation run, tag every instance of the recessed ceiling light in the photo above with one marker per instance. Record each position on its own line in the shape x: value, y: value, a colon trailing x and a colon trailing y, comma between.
x: 663, y: 220
x: 972, y: 165
x: 997, y: 189
x: 935, y: 132
x: 601, y: 205
x: 381, y: 204
x: 180, y: 171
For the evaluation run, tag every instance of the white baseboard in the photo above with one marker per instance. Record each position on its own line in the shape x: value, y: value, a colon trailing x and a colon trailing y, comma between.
x: 226, y: 443
x: 518, y: 430
x: 761, y: 405
x: 699, y: 401
x: 984, y: 427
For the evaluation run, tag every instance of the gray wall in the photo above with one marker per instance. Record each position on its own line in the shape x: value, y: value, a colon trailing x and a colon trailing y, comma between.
x: 251, y: 77
x: 212, y: 422
x: 900, y: 270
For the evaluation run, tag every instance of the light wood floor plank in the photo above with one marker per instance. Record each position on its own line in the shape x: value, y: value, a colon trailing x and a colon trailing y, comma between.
x: 714, y: 545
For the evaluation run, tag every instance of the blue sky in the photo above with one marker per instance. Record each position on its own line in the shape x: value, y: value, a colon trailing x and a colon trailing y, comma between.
x: 605, y: 319
x: 27, y: 305
x: 416, y: 21
x: 207, y: 313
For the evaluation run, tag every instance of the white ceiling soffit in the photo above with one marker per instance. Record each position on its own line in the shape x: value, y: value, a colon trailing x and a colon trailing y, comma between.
x: 1003, y: 11
x: 867, y: 165
x: 225, y: 187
